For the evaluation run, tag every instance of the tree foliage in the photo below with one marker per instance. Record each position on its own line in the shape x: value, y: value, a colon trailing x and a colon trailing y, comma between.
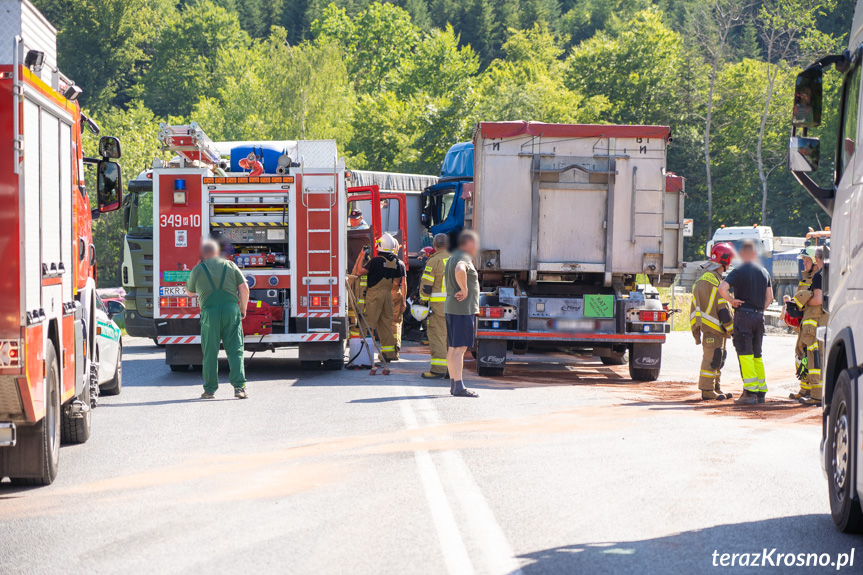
x: 397, y: 82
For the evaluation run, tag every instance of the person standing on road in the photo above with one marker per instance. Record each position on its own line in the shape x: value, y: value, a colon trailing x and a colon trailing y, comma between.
x: 711, y: 321
x: 433, y: 294
x: 460, y: 308
x: 803, y: 286
x: 752, y: 294
x: 223, y: 296
x: 810, y: 301
x: 399, y: 295
x: 381, y: 270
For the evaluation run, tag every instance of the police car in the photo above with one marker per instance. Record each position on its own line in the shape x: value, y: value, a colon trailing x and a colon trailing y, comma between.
x: 109, y: 347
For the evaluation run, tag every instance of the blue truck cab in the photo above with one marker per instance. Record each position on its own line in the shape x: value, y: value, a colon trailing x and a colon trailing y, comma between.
x: 444, y: 202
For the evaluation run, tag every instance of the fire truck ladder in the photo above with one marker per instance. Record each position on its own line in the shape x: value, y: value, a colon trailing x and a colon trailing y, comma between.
x: 189, y: 142
x: 314, y: 286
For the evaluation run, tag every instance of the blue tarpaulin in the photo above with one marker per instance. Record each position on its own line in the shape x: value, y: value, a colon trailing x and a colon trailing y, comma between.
x: 458, y: 162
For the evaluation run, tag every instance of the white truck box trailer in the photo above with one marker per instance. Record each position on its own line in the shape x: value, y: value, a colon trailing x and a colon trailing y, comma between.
x: 569, y: 216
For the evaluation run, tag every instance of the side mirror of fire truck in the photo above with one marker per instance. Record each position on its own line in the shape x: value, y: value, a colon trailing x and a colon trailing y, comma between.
x: 109, y: 185
x: 109, y: 147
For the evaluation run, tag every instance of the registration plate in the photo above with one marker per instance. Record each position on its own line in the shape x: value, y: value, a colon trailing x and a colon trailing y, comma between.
x: 171, y: 291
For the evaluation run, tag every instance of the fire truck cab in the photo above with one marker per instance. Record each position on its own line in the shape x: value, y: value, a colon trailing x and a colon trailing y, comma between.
x: 279, y: 212
x: 48, y: 362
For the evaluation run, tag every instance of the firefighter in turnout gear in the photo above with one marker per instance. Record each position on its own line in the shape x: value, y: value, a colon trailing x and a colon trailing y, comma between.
x: 809, y: 269
x: 711, y: 321
x: 381, y: 270
x: 810, y: 300
x: 433, y: 294
x: 358, y: 286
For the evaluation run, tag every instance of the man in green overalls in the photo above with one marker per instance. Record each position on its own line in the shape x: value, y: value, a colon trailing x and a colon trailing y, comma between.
x: 223, y: 297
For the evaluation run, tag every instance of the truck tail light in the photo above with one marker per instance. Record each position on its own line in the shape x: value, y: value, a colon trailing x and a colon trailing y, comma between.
x: 316, y: 301
x: 163, y: 302
x: 178, y: 302
x: 9, y: 353
x: 497, y: 312
x: 645, y: 315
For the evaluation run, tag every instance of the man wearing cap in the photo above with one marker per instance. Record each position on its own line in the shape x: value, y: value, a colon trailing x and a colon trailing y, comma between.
x: 809, y: 270
x: 433, y: 294
x: 223, y: 296
x: 356, y: 221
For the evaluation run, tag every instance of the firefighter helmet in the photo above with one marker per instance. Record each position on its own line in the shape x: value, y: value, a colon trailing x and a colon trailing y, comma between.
x: 387, y: 243
x: 427, y: 252
x: 722, y: 254
x: 420, y: 312
x: 807, y: 252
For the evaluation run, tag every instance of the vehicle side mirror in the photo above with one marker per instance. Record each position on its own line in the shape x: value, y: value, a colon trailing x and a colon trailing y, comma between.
x: 804, y: 154
x: 109, y: 147
x: 808, y: 98
x: 109, y: 185
x: 115, y: 307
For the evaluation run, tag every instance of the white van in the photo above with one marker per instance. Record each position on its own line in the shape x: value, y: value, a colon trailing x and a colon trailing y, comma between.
x: 840, y: 193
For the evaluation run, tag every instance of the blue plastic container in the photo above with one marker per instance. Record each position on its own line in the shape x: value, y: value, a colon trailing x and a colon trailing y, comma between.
x: 268, y: 153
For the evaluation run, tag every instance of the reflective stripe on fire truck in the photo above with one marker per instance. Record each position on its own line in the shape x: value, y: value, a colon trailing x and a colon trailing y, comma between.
x: 291, y: 337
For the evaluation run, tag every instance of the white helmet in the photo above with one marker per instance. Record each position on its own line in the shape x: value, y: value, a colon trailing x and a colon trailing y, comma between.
x: 387, y: 243
x: 420, y: 312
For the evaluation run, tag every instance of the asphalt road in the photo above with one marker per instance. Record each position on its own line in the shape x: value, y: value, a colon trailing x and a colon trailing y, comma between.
x: 565, y: 466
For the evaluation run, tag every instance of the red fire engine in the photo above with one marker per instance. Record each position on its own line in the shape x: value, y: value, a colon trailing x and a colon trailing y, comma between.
x: 279, y: 211
x: 47, y: 322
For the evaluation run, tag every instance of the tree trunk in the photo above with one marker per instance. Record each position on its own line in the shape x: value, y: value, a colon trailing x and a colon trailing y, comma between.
x: 707, y: 122
x: 762, y: 173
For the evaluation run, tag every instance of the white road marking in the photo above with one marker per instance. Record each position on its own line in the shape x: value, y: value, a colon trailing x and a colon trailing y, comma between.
x: 452, y: 545
x: 485, y: 532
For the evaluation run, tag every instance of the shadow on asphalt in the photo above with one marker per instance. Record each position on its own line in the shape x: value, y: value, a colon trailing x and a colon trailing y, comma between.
x: 397, y: 398
x: 164, y: 402
x: 692, y: 551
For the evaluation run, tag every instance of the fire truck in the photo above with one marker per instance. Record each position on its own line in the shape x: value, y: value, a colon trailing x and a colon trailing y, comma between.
x: 279, y: 212
x: 47, y: 312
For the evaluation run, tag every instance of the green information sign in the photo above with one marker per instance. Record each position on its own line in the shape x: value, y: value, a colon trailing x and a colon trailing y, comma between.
x: 599, y: 306
x: 177, y: 276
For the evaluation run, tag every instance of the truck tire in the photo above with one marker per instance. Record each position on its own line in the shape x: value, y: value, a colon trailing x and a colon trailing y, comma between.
x: 334, y: 364
x: 840, y: 456
x: 645, y: 361
x: 116, y: 385
x: 43, y: 439
x: 77, y: 429
x: 179, y: 368
x: 490, y: 371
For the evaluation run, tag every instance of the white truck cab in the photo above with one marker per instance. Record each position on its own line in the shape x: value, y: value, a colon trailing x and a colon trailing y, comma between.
x: 840, y: 194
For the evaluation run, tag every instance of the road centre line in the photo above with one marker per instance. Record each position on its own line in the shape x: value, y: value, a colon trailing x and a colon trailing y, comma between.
x: 452, y: 545
x: 497, y: 555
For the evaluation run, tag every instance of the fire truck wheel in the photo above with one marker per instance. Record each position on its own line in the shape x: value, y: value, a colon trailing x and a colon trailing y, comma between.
x: 643, y: 373
x: 310, y: 364
x: 116, y: 385
x: 77, y: 429
x: 179, y: 368
x: 44, y: 437
x: 157, y: 344
x: 334, y: 364
x: 490, y: 371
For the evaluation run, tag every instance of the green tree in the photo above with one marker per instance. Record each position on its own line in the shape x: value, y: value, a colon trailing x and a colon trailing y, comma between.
x: 186, y: 56
x: 528, y: 84
x: 375, y: 43
x: 138, y: 131
x: 636, y: 64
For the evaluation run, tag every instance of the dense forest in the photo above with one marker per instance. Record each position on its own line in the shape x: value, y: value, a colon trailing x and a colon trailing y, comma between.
x: 397, y: 83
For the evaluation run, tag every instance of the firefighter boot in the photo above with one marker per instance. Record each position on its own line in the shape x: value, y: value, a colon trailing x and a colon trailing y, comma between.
x: 434, y: 375
x: 748, y: 398
x: 802, y: 394
x: 709, y: 394
x: 719, y: 391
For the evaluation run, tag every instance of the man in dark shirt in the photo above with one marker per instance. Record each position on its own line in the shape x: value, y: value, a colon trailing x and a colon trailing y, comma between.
x: 752, y: 294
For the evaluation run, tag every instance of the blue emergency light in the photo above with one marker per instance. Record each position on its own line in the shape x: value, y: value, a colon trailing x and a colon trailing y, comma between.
x: 180, y: 192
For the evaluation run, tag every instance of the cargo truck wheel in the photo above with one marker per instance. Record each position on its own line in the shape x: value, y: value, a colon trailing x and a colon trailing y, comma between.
x: 42, y: 441
x: 77, y: 429
x: 840, y: 455
x: 645, y: 361
x: 179, y: 368
x: 334, y: 364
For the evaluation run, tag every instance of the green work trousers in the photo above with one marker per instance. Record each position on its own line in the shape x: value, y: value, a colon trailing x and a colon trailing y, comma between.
x: 221, y: 323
